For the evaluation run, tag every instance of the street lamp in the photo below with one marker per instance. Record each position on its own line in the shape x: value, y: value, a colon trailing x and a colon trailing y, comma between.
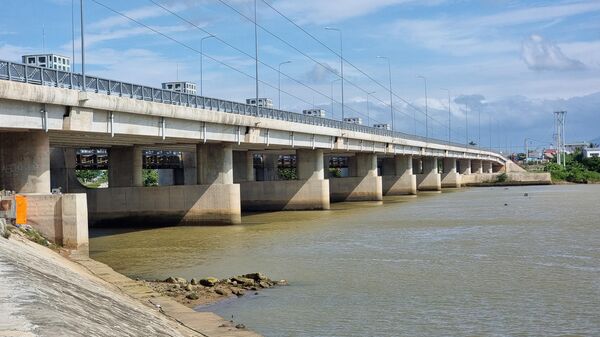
x: 279, y: 82
x: 202, y: 61
x: 467, y: 122
x: 341, y: 63
x: 82, y: 48
x: 368, y: 111
x: 390, y: 77
x: 426, y: 109
x: 449, y: 117
x: 332, y: 82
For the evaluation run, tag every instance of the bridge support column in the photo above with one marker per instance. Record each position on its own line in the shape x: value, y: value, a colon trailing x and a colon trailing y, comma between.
x: 487, y: 167
x: 125, y: 166
x: 364, y: 186
x: 450, y: 177
x: 243, y: 166
x: 310, y: 191
x: 63, y: 164
x: 430, y: 179
x: 25, y: 162
x: 476, y: 166
x: 401, y: 180
x: 465, y: 166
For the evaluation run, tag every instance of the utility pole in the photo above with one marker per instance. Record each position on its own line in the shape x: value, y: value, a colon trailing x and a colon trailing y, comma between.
x: 279, y: 83
x: 202, y: 63
x: 467, y: 122
x: 559, y: 137
x: 341, y: 64
x: 449, y: 117
x: 82, y: 48
x: 256, y: 53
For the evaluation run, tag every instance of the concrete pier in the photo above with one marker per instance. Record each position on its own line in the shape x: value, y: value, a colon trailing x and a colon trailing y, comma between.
x: 487, y: 167
x: 364, y: 185
x: 430, y: 179
x: 476, y: 166
x: 25, y: 162
x: 310, y: 191
x: 464, y: 166
x: 125, y: 166
x: 450, y: 176
x: 63, y: 162
x: 397, y: 176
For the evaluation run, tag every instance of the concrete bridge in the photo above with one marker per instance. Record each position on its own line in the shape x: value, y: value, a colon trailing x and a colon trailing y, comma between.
x: 45, y: 116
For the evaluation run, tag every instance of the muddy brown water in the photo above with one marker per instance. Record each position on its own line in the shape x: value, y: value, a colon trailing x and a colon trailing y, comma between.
x: 459, y: 263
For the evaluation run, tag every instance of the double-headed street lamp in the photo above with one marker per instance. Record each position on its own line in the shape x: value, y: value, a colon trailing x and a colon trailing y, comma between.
x: 202, y: 61
x: 426, y: 109
x: 279, y: 82
x: 390, y: 78
x: 341, y: 63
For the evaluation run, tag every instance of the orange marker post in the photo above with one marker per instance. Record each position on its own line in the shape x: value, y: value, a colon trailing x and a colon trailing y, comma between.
x: 21, y: 209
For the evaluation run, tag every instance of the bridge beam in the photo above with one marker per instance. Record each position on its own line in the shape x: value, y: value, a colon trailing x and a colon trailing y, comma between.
x: 363, y: 185
x: 310, y: 191
x: 450, y: 175
x: 25, y: 162
x: 430, y: 178
x: 397, y: 176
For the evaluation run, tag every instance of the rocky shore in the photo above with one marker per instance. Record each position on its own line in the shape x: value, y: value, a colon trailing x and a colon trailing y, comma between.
x: 204, y: 291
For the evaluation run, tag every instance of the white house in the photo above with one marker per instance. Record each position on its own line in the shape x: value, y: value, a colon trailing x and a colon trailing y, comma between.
x: 262, y: 102
x: 183, y: 87
x: 52, y: 61
x: 353, y: 120
x: 314, y: 112
x: 385, y: 126
x: 591, y: 152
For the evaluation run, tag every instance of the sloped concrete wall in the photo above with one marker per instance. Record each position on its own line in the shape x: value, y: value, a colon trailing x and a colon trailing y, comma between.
x: 284, y: 195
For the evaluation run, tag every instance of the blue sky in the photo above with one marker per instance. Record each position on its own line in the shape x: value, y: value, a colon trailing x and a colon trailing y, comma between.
x: 513, y: 62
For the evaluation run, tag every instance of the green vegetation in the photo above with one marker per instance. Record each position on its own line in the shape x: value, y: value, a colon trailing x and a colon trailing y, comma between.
x: 288, y: 173
x: 150, y: 177
x: 502, y: 178
x: 335, y: 172
x: 92, y: 178
x: 578, y: 169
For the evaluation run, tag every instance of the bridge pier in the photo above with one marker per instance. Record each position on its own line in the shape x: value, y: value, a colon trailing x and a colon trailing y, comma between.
x: 125, y: 166
x: 25, y: 162
x: 450, y: 177
x: 430, y: 178
x: 310, y: 191
x: 397, y: 176
x: 363, y: 184
x: 476, y: 166
x: 464, y: 166
x: 63, y: 163
x: 487, y: 167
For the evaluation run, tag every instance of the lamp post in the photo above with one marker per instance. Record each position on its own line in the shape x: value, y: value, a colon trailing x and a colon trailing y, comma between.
x: 390, y: 77
x: 279, y: 82
x: 467, y: 122
x: 332, y: 82
x: 341, y: 64
x: 426, y: 108
x: 368, y: 111
x: 202, y: 61
x: 82, y: 48
x: 449, y: 117
x: 256, y: 54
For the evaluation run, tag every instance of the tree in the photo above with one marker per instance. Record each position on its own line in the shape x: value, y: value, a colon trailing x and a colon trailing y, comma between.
x: 150, y: 177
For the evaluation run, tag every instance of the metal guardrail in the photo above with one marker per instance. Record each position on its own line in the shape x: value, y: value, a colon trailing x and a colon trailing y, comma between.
x: 24, y: 73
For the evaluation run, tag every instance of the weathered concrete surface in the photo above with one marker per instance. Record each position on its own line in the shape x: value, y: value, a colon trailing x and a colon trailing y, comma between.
x: 25, y: 162
x: 513, y: 167
x: 397, y: 176
x: 450, y: 176
x: 61, y: 218
x: 284, y: 195
x: 367, y: 188
x: 430, y: 179
x: 216, y: 204
x: 513, y: 178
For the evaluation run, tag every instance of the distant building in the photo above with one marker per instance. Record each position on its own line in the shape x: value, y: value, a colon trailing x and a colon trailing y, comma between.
x: 183, y: 87
x: 262, y: 102
x: 591, y: 152
x: 570, y: 148
x: 385, y: 126
x: 52, y: 61
x: 314, y: 112
x: 549, y: 154
x: 353, y: 120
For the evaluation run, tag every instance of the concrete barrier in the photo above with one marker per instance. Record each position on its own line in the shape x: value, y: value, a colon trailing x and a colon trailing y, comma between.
x: 284, y: 195
x: 60, y: 218
x: 451, y: 180
x: 368, y: 188
x: 512, y: 178
x: 217, y: 204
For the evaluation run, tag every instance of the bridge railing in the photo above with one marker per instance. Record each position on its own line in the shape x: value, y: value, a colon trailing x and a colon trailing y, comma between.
x: 20, y: 72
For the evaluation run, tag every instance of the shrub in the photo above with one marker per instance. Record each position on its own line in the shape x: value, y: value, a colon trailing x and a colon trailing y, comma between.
x: 502, y: 177
x: 288, y: 173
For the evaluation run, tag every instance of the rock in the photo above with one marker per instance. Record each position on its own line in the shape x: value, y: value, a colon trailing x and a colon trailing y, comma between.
x: 263, y: 284
x: 247, y: 282
x: 189, y: 287
x: 176, y: 286
x: 179, y: 280
x: 221, y: 292
x: 209, y: 281
x: 238, y: 292
x: 282, y: 283
x: 256, y: 276
x: 192, y: 296
x: 240, y: 326
x: 194, y: 281
x: 234, y: 283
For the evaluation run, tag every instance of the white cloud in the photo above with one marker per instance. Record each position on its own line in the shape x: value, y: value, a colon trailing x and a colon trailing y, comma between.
x: 540, y: 55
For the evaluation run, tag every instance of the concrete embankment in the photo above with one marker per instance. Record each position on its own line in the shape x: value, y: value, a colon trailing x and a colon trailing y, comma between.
x: 506, y: 179
x: 45, y: 294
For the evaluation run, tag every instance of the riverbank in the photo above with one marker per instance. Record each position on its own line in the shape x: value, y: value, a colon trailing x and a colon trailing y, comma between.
x: 44, y: 293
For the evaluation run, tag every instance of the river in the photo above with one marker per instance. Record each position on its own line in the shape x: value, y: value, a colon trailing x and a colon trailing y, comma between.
x: 518, y: 261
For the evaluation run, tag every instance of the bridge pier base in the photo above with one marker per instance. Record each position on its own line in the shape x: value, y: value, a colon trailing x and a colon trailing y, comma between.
x: 430, y: 179
x: 450, y: 177
x: 487, y: 167
x: 366, y: 185
x: 476, y: 166
x: 25, y: 162
x: 464, y: 166
x: 401, y: 181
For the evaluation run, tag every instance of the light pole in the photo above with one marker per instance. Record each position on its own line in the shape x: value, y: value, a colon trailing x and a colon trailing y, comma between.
x: 368, y: 111
x: 479, y: 127
x: 279, y: 82
x: 426, y: 109
x: 390, y: 77
x: 332, y: 82
x: 467, y: 123
x: 449, y: 117
x: 82, y: 48
x: 202, y: 61
x: 256, y: 54
x: 341, y: 63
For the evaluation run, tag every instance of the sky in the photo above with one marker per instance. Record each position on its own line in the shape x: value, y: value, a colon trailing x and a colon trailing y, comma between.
x: 507, y: 65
